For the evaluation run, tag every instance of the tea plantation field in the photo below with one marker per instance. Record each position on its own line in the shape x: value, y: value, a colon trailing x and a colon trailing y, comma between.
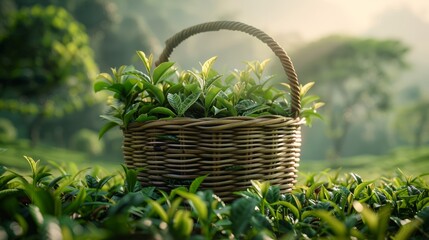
x: 62, y: 197
x: 12, y: 155
x: 409, y: 160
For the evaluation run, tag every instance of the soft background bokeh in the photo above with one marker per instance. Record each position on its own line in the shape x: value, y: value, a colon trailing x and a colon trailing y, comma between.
x: 385, y: 128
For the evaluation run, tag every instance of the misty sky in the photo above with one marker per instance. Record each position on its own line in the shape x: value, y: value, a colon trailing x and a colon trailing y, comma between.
x: 314, y: 18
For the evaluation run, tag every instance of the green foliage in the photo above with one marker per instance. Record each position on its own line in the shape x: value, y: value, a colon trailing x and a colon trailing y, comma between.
x: 86, y: 206
x: 86, y: 140
x: 8, y: 131
x: 415, y: 129
x: 50, y: 72
x: 163, y: 92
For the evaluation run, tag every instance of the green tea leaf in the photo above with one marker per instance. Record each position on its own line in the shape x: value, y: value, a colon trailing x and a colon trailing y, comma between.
x: 117, y: 88
x: 228, y: 105
x: 199, y: 79
x: 104, y: 181
x: 144, y: 117
x: 264, y: 63
x: 182, y: 224
x: 129, y: 85
x: 163, y: 111
x: 174, y: 206
x: 43, y: 199
x: 5, y: 179
x: 245, y: 105
x: 161, y: 70
x: 356, y: 177
x: 196, y: 203
x: 286, y: 85
x: 383, y: 222
x: 241, y: 213
x: 158, y: 209
x: 217, y: 110
x: 100, y: 85
x: 207, y: 66
x: 5, y: 192
x: 91, y: 181
x: 209, y: 82
x: 175, y: 101
x: 273, y: 194
x: 128, y: 116
x: 105, y: 76
x: 258, y: 67
x: 406, y: 231
x: 289, y: 206
x: 304, y: 89
x: 336, y: 225
x: 130, y: 178
x: 155, y: 91
x: 140, y: 75
x: 312, y: 189
x: 211, y: 95
x: 196, y: 183
x: 260, y: 187
x: 76, y: 203
x: 123, y: 205
x: 307, y: 100
x: 106, y: 127
x: 368, y: 216
x: 113, y: 119
x: 318, y: 105
x: 147, y: 62
x: 423, y: 203
x: 175, y: 88
x: 255, y: 110
x: 361, y: 187
x: 191, y: 88
x: 188, y: 102
x: 308, y: 115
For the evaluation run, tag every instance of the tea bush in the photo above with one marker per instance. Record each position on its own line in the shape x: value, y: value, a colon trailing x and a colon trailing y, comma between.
x: 83, y: 205
x: 8, y: 131
x: 86, y: 140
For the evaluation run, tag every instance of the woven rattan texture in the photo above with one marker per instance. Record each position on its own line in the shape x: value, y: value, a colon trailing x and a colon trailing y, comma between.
x: 232, y: 151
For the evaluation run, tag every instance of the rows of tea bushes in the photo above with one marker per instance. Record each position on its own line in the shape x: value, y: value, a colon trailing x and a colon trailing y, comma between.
x: 91, y: 205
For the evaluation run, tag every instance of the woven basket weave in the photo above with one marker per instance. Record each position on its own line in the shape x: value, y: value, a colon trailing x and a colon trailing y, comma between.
x: 231, y: 151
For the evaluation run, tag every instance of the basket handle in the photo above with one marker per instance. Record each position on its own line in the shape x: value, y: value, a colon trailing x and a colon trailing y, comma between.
x: 285, y: 60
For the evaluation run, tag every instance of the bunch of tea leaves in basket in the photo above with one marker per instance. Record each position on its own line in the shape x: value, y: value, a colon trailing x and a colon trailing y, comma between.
x: 164, y: 92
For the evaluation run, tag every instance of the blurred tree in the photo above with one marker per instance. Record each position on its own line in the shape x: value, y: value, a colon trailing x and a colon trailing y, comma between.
x: 98, y: 16
x: 353, y: 77
x: 46, y: 65
x: 6, y: 8
x: 411, y: 123
x: 8, y: 131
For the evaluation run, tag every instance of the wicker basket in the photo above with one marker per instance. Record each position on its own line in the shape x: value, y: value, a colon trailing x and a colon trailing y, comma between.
x: 232, y: 150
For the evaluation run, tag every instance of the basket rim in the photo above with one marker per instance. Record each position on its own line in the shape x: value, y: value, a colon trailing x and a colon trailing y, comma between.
x: 218, y: 123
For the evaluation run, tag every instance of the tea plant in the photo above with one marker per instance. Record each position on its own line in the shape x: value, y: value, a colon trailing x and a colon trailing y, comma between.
x: 82, y: 205
x: 165, y: 92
